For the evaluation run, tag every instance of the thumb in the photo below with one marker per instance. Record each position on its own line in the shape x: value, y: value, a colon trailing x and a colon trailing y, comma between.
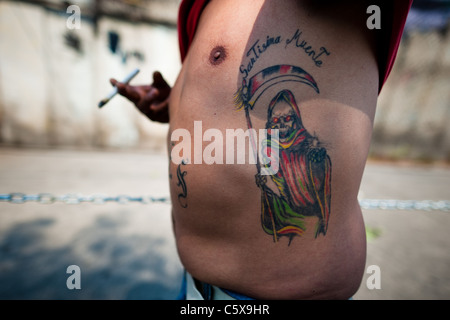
x: 158, y: 80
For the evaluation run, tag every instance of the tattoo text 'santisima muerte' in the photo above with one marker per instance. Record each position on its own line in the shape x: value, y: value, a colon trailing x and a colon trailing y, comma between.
x: 302, y: 186
x: 297, y: 40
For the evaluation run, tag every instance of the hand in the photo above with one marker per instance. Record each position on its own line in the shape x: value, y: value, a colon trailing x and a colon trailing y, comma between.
x: 152, y: 100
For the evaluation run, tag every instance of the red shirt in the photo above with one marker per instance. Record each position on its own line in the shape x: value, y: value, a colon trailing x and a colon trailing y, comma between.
x: 190, y: 11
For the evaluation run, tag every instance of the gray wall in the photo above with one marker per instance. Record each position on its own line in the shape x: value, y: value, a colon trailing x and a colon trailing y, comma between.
x: 50, y: 86
x: 413, y: 113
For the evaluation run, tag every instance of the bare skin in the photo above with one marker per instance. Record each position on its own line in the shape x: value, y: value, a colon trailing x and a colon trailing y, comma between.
x: 314, y: 246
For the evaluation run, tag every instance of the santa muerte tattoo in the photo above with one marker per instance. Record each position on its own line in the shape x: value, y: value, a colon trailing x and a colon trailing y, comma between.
x: 302, y: 185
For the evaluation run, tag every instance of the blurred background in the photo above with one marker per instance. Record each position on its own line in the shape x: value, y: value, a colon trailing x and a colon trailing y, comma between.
x: 53, y: 139
x: 52, y: 76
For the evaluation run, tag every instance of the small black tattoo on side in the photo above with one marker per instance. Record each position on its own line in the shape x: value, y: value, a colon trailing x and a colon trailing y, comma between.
x: 181, y: 183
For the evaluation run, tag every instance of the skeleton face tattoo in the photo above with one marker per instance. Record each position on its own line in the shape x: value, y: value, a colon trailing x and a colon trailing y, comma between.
x: 284, y: 119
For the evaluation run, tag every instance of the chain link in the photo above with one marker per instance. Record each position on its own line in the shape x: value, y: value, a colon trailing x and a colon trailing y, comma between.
x: 47, y: 198
x: 369, y: 204
x: 391, y: 204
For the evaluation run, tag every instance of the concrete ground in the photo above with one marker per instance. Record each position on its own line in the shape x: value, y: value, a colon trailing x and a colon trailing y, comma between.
x: 127, y: 251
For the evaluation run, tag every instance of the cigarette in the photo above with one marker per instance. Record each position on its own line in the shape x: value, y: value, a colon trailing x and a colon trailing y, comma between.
x: 111, y: 95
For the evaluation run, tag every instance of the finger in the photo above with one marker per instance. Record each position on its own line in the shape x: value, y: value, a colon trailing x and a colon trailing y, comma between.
x: 158, y: 80
x: 148, y: 99
x: 120, y: 86
x: 135, y: 94
x: 160, y: 115
x: 157, y: 77
x: 159, y: 106
x: 129, y: 92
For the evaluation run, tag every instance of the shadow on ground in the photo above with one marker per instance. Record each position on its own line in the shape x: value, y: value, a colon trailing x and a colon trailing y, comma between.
x: 113, y: 265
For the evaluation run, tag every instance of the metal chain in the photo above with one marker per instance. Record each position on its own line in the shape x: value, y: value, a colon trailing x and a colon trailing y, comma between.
x: 370, y: 204
x: 47, y: 198
x: 391, y: 204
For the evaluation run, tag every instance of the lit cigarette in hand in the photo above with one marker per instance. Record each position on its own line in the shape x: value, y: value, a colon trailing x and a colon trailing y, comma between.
x: 127, y: 79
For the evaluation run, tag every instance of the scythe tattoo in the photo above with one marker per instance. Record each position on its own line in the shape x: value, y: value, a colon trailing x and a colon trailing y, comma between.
x: 303, y: 181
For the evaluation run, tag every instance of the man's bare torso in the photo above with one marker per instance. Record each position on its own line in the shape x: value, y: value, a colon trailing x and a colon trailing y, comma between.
x: 310, y: 75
